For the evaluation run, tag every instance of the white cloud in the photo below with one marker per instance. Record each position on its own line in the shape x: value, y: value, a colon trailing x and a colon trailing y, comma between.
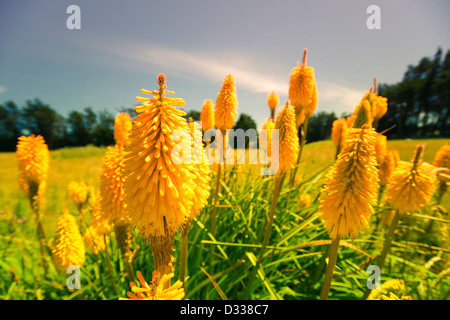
x: 202, y: 65
x: 250, y: 72
x: 2, y: 89
x: 337, y: 97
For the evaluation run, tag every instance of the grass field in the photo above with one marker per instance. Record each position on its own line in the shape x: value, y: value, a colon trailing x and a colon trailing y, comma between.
x: 294, y: 262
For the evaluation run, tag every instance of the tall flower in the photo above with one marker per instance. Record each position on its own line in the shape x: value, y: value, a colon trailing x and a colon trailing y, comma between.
x: 411, y: 185
x: 288, y: 145
x: 79, y: 192
x: 200, y: 169
x: 339, y: 133
x: 442, y: 157
x: 380, y: 109
x: 381, y: 148
x: 112, y: 194
x: 272, y: 101
x: 68, y: 245
x: 350, y: 187
x: 207, y: 115
x: 226, y: 104
x: 158, y: 290
x: 303, y: 90
x: 33, y: 162
x: 269, y: 125
x: 94, y: 240
x: 394, y: 286
x: 159, y: 187
x: 122, y: 128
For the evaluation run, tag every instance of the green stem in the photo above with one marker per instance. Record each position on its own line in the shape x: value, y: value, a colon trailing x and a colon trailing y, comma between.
x: 332, y: 258
x: 269, y: 221
x: 183, y: 258
x: 387, y: 246
x: 108, y: 261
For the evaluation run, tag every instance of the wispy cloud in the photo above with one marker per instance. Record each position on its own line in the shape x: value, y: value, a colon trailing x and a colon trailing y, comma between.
x: 202, y: 65
x: 2, y: 89
x: 337, y: 97
x: 251, y: 73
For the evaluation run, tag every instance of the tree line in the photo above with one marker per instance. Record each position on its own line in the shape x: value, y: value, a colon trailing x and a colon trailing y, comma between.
x: 418, y: 106
x: 79, y: 128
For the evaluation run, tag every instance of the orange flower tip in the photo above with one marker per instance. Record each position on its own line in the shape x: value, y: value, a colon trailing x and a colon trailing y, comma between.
x: 371, y: 89
x: 419, y: 153
x: 161, y: 79
x: 190, y: 119
x: 305, y: 54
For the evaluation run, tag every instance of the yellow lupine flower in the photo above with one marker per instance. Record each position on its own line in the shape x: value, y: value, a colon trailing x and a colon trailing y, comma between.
x: 159, y: 192
x: 442, y: 157
x: 365, y: 109
x: 411, y: 185
x: 122, y: 128
x: 226, y: 104
x: 302, y: 89
x: 269, y: 125
x: 288, y: 145
x: 94, y: 241
x: 272, y: 101
x: 157, y: 290
x: 33, y: 160
x: 395, y: 286
x: 207, y: 115
x: 112, y: 180
x: 68, y: 245
x: 79, y: 192
x: 350, y: 187
x: 339, y: 132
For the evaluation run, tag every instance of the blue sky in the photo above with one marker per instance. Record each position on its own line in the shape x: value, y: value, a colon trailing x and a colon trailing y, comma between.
x: 123, y: 45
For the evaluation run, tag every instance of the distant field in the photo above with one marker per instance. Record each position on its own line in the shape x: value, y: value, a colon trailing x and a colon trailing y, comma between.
x: 84, y: 163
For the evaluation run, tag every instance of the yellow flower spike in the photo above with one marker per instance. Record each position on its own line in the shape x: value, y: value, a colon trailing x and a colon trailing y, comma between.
x: 226, y: 104
x: 363, y: 115
x: 288, y: 145
x: 159, y: 190
x: 33, y: 160
x: 112, y: 194
x: 272, y: 102
x: 79, y: 192
x: 122, y: 128
x: 392, y: 286
x: 411, y: 185
x: 158, y: 290
x: 98, y: 220
x: 442, y: 157
x: 339, y: 133
x: 302, y: 89
x: 381, y: 148
x: 304, y: 201
x: 68, y: 245
x: 380, y: 110
x: 350, y: 120
x: 207, y: 115
x: 387, y: 167
x: 350, y: 187
x: 312, y: 106
x: 201, y: 169
x: 268, y: 125
x: 94, y: 240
